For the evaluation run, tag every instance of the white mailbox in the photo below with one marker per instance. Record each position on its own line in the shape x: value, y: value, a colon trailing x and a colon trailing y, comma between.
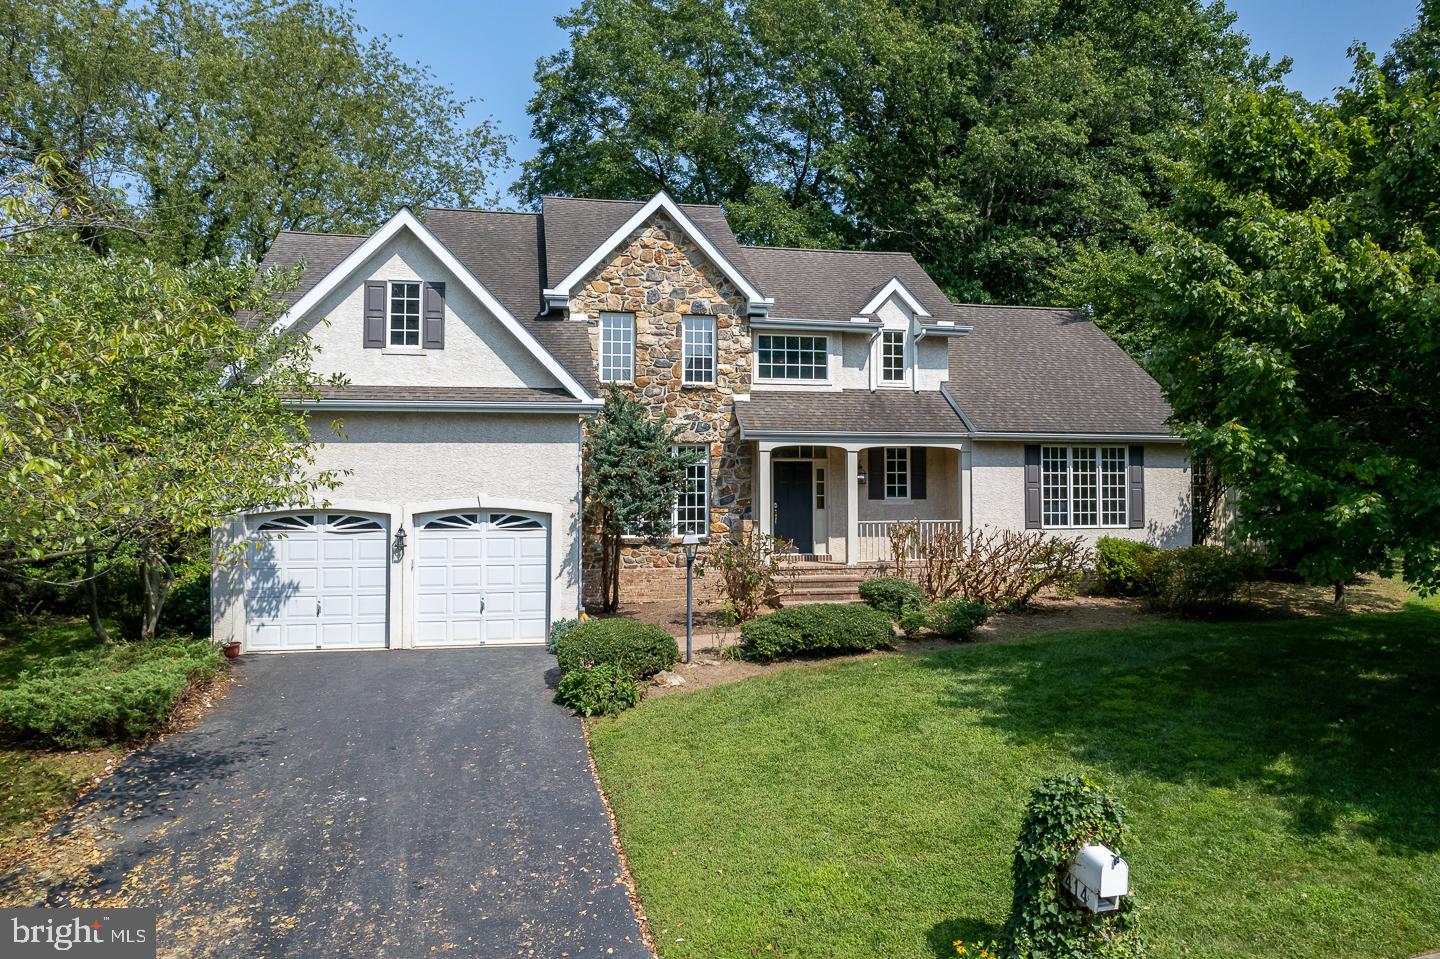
x: 1097, y: 878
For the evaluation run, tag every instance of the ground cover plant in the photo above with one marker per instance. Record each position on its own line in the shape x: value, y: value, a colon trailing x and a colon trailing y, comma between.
x: 1281, y: 782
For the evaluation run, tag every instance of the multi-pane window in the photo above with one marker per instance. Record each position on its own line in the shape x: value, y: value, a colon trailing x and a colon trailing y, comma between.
x: 819, y: 487
x: 892, y: 356
x: 699, y: 346
x: 787, y: 357
x: 897, y: 472
x: 1083, y: 486
x: 404, y: 313
x: 617, y: 347
x: 692, y: 508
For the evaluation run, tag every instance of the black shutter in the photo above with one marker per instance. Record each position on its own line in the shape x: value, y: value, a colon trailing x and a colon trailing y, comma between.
x: 1032, y: 486
x: 917, y: 472
x: 374, y: 314
x: 877, y: 472
x: 1137, y: 487
x: 432, y: 324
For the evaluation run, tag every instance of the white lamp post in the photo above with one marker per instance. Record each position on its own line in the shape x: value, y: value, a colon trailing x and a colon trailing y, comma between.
x: 690, y: 544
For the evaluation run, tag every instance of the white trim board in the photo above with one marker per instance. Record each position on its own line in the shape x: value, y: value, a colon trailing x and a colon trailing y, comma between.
x: 758, y: 302
x: 895, y: 288
x: 405, y: 220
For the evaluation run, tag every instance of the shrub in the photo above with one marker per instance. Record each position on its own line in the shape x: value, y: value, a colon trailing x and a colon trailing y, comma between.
x: 557, y: 629
x: 1120, y: 566
x: 1065, y: 814
x: 113, y: 693
x: 950, y: 618
x: 640, y: 649
x: 598, y: 689
x: 1001, y: 568
x: 187, y: 607
x: 892, y: 595
x: 751, y: 574
x: 821, y: 628
x: 1194, y: 578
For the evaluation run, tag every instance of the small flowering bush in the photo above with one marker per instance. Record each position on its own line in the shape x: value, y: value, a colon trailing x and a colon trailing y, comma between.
x: 598, y: 689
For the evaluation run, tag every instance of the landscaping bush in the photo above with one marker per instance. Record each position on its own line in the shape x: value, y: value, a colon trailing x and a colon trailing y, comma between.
x: 892, y: 595
x: 1197, y: 578
x: 751, y: 573
x: 187, y: 608
x: 821, y: 628
x: 951, y: 618
x: 557, y: 629
x: 598, y: 690
x: 112, y: 693
x: 640, y: 649
x: 1002, y: 568
x: 1120, y: 566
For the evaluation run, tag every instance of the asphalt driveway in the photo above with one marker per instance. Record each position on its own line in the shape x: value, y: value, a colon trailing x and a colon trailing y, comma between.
x: 408, y: 804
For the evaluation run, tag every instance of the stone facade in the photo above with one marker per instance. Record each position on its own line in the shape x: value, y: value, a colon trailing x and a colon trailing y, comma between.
x: 661, y: 277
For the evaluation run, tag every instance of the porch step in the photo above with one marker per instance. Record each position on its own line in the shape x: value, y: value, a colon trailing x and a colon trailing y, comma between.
x: 826, y: 583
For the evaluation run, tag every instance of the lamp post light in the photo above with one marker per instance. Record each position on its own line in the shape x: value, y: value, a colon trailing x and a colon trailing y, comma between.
x: 691, y: 546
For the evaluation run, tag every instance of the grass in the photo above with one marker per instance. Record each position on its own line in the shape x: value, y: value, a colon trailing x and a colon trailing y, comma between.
x: 1282, y: 779
x: 36, y: 784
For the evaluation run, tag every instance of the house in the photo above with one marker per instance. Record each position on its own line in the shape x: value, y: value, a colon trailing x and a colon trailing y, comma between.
x: 840, y: 391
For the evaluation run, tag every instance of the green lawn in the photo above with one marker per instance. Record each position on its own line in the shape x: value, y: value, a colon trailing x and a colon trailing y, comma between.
x: 37, y: 783
x: 1283, y: 782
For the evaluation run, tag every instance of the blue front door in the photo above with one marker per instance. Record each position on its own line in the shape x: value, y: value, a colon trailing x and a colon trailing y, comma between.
x: 794, y: 517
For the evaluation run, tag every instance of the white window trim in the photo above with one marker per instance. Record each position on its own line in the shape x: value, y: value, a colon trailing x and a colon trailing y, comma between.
x: 714, y: 329
x: 783, y: 381
x: 1099, y: 487
x: 419, y: 345
x: 634, y: 336
x: 906, y: 360
x: 675, y: 508
x: 909, y: 478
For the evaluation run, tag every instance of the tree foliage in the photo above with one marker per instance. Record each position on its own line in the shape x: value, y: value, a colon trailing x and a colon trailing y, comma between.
x: 1288, y: 300
x: 634, y: 473
x: 987, y: 138
x: 218, y: 125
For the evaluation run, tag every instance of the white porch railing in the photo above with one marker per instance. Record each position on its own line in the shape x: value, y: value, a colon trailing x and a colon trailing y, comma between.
x: 874, y: 537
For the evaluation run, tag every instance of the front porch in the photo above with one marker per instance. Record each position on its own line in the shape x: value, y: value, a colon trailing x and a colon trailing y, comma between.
x: 838, y: 501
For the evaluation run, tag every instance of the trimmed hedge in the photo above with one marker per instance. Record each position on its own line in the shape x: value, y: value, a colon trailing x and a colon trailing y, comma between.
x: 821, y: 628
x: 557, y: 629
x: 598, y: 690
x: 950, y: 618
x: 892, y: 595
x: 640, y: 649
x: 1195, y: 579
x: 1121, y: 566
x: 113, y: 693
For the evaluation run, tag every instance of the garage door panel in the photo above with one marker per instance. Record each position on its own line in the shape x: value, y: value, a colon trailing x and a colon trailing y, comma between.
x: 322, y: 583
x: 481, y: 578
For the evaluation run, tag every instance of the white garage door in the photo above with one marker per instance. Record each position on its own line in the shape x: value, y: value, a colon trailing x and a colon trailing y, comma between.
x: 481, y: 578
x: 317, y: 581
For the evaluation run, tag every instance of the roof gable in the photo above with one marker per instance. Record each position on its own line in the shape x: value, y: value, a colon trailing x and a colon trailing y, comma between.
x: 405, y: 221
x: 837, y: 285
x: 589, y: 229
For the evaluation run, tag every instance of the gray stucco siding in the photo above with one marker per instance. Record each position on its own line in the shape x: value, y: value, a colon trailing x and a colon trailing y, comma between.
x: 998, y: 488
x: 403, y: 465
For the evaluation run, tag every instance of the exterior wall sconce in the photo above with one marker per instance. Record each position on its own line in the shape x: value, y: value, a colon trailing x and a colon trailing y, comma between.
x: 398, y: 545
x: 860, y: 476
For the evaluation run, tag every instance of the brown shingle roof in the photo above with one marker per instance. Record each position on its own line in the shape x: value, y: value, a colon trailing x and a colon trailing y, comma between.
x: 846, y: 411
x: 322, y: 252
x: 1049, y: 370
x: 836, y: 284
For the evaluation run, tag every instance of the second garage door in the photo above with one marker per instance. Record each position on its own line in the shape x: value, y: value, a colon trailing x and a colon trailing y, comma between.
x: 481, y: 579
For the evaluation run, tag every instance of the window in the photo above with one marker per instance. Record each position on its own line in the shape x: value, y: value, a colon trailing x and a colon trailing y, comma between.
x: 1083, y: 486
x: 897, y: 472
x: 617, y: 347
x: 699, y: 349
x: 819, y: 487
x: 692, y: 509
x: 404, y: 313
x: 892, y: 356
x: 785, y: 357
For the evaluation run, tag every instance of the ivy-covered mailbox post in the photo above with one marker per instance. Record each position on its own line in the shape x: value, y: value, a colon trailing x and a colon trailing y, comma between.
x: 1097, y: 878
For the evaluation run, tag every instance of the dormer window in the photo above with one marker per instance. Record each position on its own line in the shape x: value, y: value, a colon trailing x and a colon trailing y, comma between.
x: 892, y: 356
x: 404, y: 313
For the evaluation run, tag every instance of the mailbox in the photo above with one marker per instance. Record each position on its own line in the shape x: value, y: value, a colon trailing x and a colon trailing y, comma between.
x: 1097, y: 878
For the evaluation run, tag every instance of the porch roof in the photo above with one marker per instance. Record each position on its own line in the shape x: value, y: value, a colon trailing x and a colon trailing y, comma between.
x: 846, y: 413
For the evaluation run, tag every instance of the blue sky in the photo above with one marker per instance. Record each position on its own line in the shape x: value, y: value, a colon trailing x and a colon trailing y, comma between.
x: 488, y: 50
